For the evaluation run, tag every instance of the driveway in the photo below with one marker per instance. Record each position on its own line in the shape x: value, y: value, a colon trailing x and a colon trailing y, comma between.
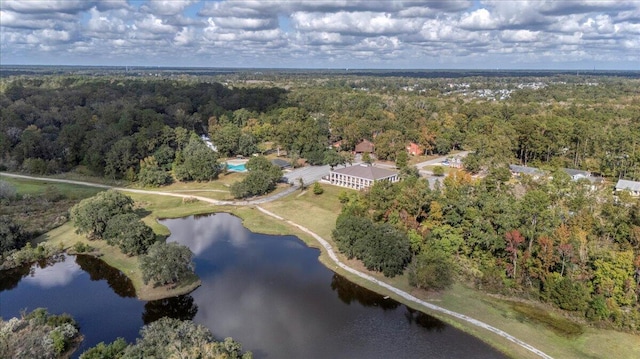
x: 439, y: 160
x: 309, y: 174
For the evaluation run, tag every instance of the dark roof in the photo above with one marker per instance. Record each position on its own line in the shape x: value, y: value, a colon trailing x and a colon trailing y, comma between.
x: 629, y: 185
x: 364, y: 146
x: 526, y: 170
x: 367, y: 172
x: 280, y: 163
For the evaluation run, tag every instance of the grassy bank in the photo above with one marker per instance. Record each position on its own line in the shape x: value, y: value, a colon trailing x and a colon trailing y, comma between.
x: 65, y: 236
x: 541, y: 326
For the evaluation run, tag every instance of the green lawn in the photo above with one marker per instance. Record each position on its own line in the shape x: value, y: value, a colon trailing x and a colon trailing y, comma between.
x: 539, y: 325
x: 32, y: 187
x: 66, y: 237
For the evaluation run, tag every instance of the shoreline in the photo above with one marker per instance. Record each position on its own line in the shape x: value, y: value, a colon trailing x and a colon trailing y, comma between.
x: 66, y: 236
x: 466, y: 302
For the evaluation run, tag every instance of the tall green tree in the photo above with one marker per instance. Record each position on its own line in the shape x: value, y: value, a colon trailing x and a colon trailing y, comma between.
x: 167, y: 263
x: 197, y: 162
x: 91, y: 215
x: 129, y: 233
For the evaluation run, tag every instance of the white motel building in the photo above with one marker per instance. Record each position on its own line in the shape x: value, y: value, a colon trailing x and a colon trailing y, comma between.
x: 361, y: 176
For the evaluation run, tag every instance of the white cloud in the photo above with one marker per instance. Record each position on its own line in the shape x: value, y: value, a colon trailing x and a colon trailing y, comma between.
x: 317, y: 33
x: 48, y: 6
x: 366, y: 23
x: 520, y: 36
x: 480, y: 19
x: 185, y: 37
x: 246, y: 23
x: 155, y: 25
x: 167, y: 7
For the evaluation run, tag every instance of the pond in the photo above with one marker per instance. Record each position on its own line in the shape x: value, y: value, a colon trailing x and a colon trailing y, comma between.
x: 268, y: 292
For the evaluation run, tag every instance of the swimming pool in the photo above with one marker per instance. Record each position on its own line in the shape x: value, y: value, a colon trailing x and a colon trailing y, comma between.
x: 236, y: 167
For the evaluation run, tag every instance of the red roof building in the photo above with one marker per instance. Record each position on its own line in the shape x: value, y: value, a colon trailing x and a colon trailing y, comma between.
x: 415, y: 149
x: 364, y: 146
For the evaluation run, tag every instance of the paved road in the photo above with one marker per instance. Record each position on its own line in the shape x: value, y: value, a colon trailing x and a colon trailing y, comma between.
x: 320, y: 240
x: 404, y: 294
x: 309, y: 174
x: 161, y: 193
x: 439, y: 160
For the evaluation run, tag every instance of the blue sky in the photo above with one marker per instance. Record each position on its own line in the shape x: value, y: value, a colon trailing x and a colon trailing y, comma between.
x: 569, y: 34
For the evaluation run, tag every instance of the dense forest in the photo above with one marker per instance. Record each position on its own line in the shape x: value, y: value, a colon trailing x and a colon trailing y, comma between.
x: 551, y: 239
x: 114, y: 127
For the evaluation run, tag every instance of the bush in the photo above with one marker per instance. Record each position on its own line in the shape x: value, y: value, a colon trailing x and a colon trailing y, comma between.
x: 129, y: 233
x: 567, y: 294
x: 167, y: 263
x: 11, y: 235
x: 38, y: 335
x: 380, y: 247
x: 169, y: 338
x: 80, y: 247
x: 106, y: 351
x: 317, y: 189
x: 7, y: 191
x: 431, y: 269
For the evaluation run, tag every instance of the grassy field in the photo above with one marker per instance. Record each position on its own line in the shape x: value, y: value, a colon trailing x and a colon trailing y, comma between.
x: 36, y: 188
x: 541, y: 326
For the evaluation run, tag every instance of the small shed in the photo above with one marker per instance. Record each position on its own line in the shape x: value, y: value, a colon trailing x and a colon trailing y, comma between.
x: 281, y: 163
x: 631, y: 186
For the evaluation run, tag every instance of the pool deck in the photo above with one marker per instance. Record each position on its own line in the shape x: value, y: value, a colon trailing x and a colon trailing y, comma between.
x: 236, y: 165
x: 237, y: 162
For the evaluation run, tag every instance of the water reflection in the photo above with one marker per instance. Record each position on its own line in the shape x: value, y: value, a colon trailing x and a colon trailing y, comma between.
x: 43, y: 275
x: 349, y: 292
x: 181, y: 307
x: 102, y: 314
x: 272, y: 294
x: 99, y: 270
x: 201, y: 234
x: 268, y: 292
x: 11, y: 277
x: 425, y: 321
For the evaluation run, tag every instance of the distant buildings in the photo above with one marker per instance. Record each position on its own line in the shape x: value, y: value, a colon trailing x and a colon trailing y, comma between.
x: 537, y: 173
x: 518, y: 171
x: 415, y: 149
x: 632, y: 186
x: 364, y: 147
x: 577, y: 174
x: 280, y: 163
x: 361, y: 176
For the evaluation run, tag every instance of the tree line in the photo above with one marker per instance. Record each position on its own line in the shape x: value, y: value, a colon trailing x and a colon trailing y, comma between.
x: 116, y: 126
x: 555, y: 240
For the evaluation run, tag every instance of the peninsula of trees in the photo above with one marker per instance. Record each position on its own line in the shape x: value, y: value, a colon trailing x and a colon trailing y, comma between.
x: 568, y: 243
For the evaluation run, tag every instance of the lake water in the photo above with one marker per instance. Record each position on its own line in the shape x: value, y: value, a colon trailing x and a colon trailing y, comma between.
x: 268, y: 292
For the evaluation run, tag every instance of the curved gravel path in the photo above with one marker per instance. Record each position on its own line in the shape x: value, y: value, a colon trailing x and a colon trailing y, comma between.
x: 404, y: 294
x: 327, y: 246
x: 162, y: 193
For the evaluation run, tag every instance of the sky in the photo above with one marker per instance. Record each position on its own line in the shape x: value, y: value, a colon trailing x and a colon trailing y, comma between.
x: 491, y: 34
